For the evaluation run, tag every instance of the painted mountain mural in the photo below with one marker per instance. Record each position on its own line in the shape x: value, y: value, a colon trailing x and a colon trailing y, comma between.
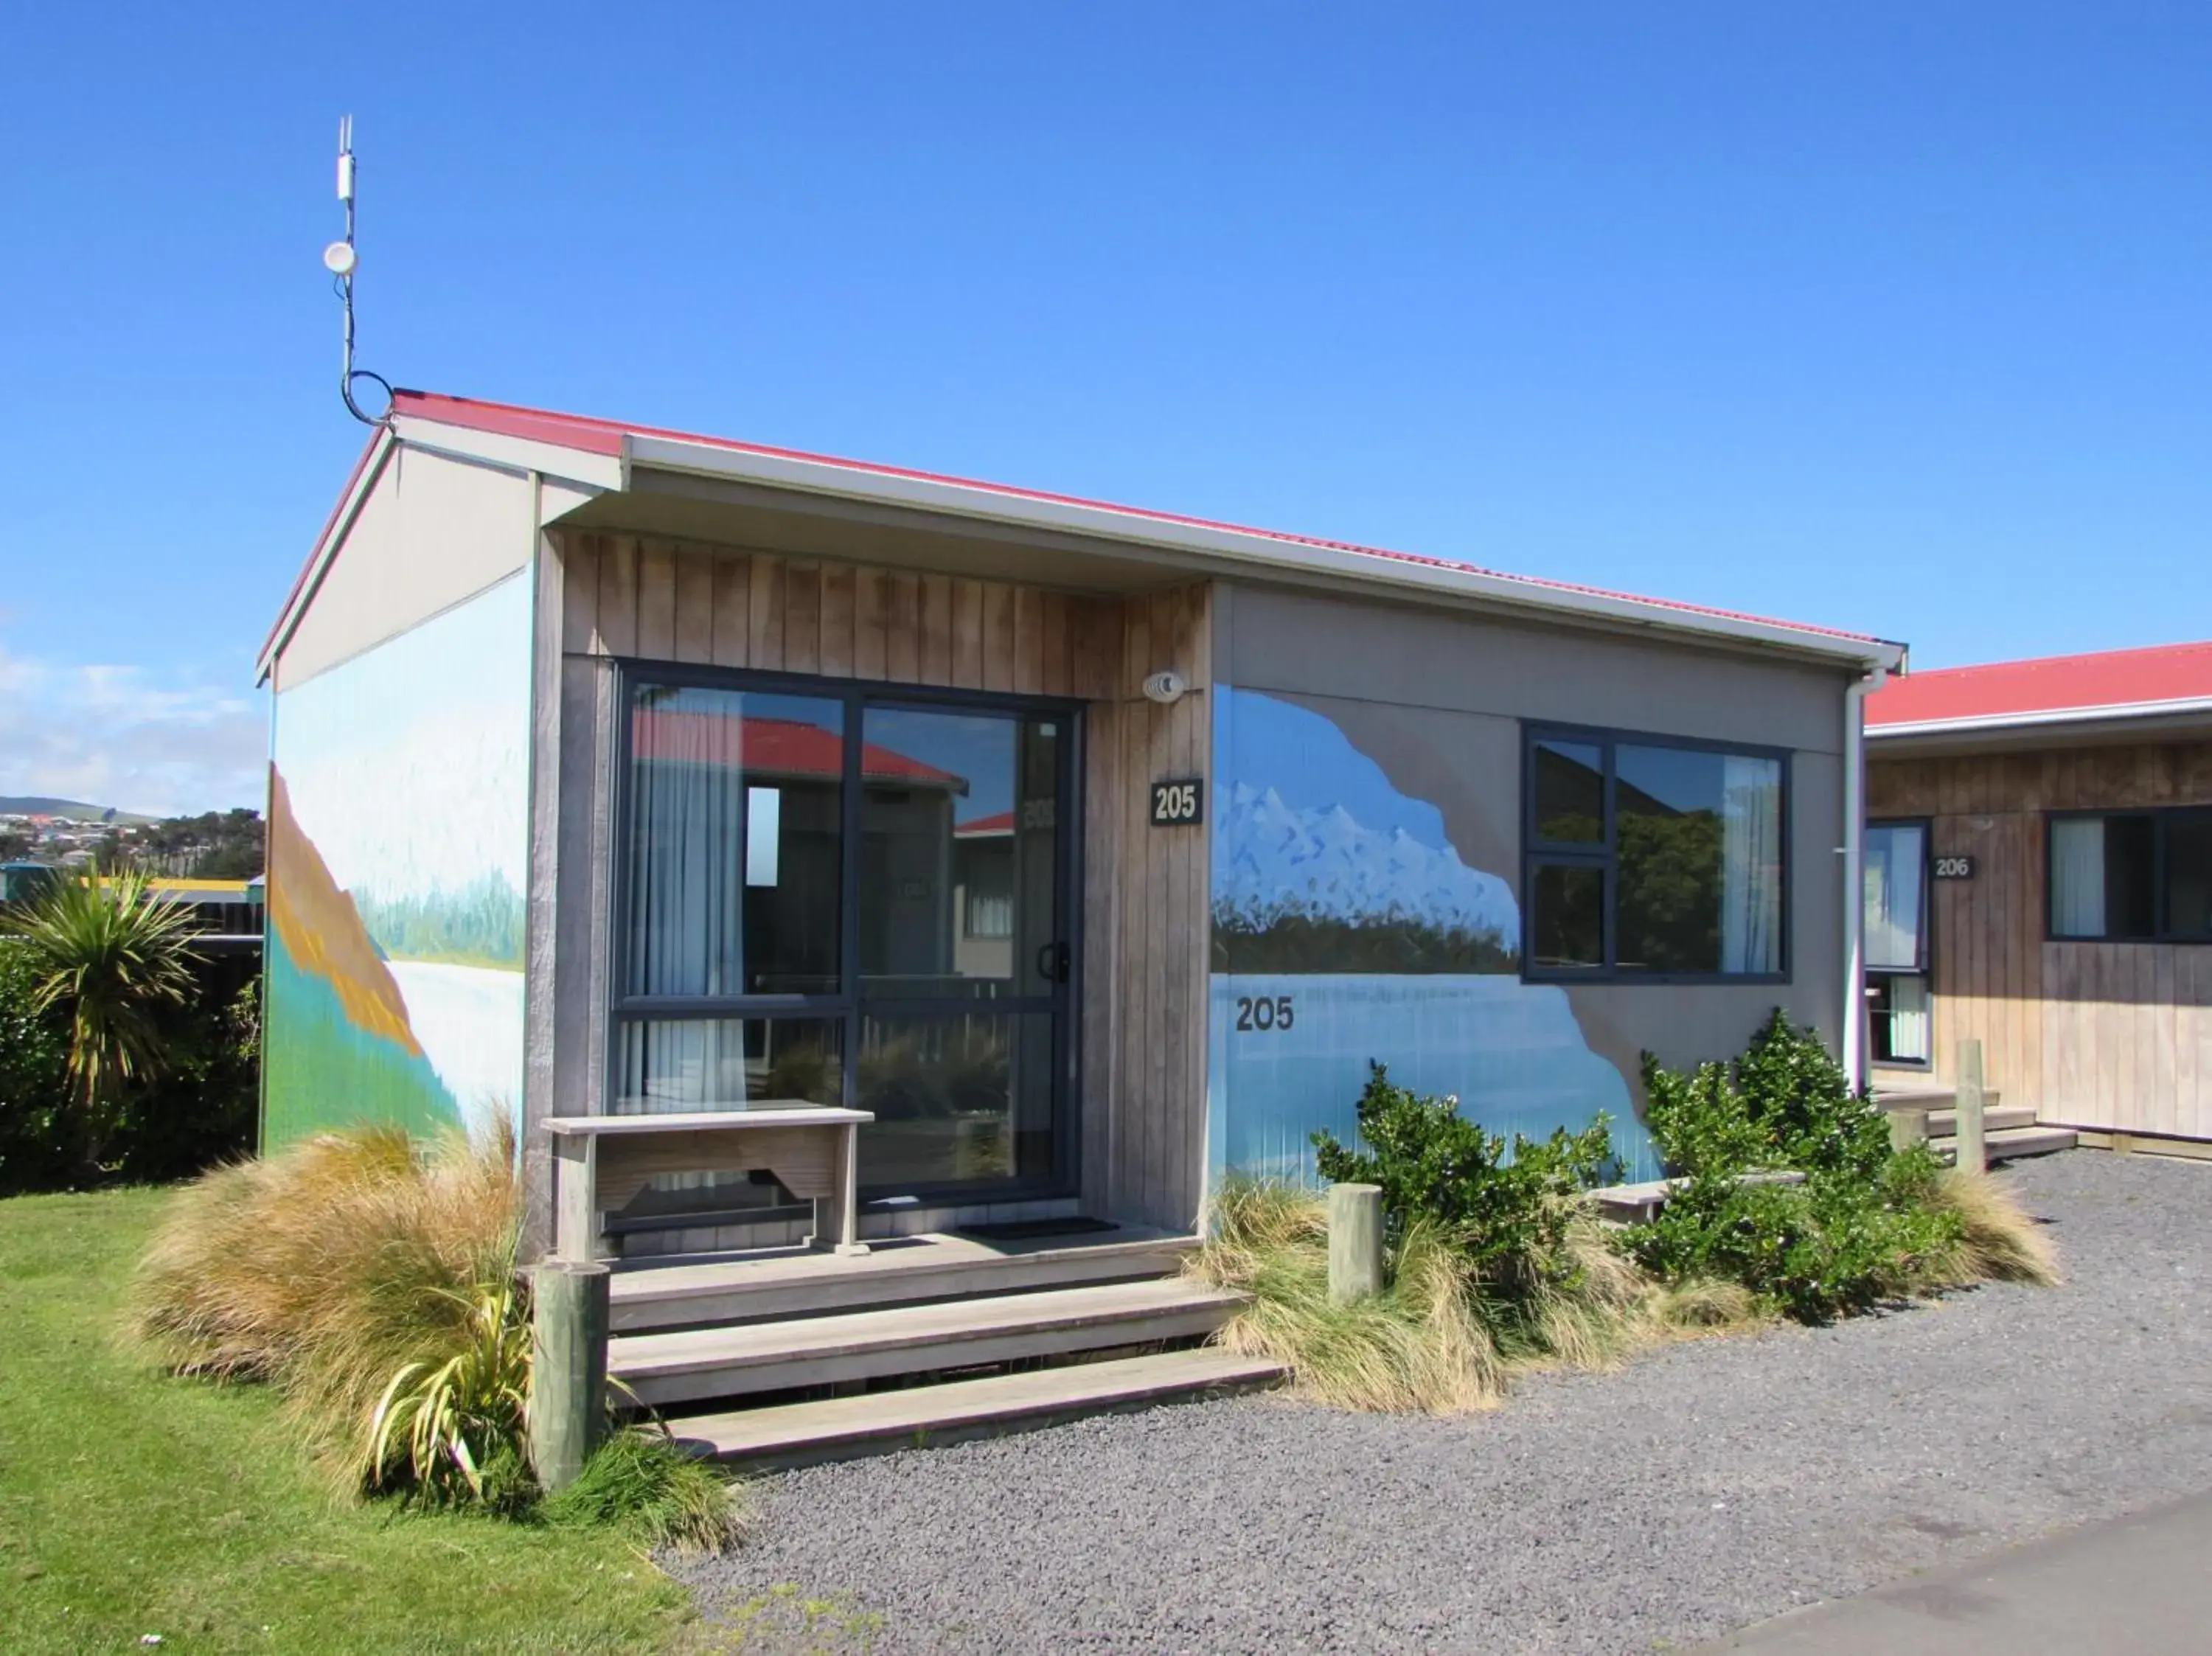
x: 339, y: 1045
x: 398, y: 836
x: 1346, y: 930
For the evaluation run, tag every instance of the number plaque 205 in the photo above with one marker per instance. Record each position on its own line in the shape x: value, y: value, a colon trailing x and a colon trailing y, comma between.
x: 1262, y: 1013
x: 1177, y: 803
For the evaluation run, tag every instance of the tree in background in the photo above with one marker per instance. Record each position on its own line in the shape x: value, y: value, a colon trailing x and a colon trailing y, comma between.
x: 110, y: 958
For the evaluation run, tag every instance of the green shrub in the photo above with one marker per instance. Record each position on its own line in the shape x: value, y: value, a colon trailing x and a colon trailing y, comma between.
x: 1501, y: 1209
x: 34, y: 1099
x: 199, y: 1111
x: 1865, y: 1224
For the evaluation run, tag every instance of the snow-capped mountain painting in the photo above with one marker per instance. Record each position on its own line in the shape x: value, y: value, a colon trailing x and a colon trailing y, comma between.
x: 1320, y: 865
x: 1324, y: 865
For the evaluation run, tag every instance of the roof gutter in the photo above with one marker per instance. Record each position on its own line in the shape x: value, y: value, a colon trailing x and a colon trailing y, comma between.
x: 1253, y: 548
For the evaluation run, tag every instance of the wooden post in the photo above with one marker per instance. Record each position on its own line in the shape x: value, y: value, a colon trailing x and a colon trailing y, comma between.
x: 569, y: 1367
x: 1355, y: 1242
x: 1907, y: 1128
x: 1973, y: 1148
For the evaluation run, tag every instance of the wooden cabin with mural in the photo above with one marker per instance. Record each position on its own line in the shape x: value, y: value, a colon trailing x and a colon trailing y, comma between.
x: 884, y: 904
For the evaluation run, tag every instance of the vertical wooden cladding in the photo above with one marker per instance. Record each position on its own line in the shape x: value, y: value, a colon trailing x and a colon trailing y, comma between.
x: 658, y: 600
x: 2111, y: 1036
x: 1148, y: 912
x: 1146, y: 891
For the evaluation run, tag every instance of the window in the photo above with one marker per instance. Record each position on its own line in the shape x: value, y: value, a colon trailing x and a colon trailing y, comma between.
x: 1895, y: 913
x: 2142, y: 877
x: 1647, y: 858
x: 1896, y: 858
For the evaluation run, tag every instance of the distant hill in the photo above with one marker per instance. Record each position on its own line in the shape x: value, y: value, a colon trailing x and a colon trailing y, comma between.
x: 75, y: 809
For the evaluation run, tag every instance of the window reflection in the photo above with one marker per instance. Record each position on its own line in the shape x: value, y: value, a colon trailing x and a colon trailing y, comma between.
x: 736, y: 843
x: 957, y: 854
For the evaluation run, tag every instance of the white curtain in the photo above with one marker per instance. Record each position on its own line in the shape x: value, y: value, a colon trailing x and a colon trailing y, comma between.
x: 1751, y: 864
x: 1908, y: 1019
x: 1896, y: 872
x: 685, y: 898
x: 2077, y: 876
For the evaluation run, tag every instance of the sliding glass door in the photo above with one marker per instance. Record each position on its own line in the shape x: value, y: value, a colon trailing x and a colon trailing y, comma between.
x: 827, y: 894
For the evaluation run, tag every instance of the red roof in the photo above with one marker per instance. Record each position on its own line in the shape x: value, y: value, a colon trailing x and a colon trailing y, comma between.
x: 2120, y: 681
x: 983, y: 827
x: 605, y: 437
x: 776, y: 747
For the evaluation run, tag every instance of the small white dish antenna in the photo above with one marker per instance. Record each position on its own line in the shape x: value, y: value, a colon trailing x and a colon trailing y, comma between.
x: 339, y: 259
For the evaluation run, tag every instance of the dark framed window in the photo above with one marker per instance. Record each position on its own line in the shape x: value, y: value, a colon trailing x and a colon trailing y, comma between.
x: 1653, y: 859
x: 2131, y: 875
x: 836, y: 892
x: 1896, y: 931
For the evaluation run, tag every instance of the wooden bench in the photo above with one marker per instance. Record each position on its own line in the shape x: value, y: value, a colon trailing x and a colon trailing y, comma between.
x: 601, y: 1162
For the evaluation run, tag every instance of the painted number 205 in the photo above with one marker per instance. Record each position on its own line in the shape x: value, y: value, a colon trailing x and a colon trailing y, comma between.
x: 1263, y: 1013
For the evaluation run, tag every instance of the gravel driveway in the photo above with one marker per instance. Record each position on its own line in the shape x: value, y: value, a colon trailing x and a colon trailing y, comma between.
x: 1701, y: 1488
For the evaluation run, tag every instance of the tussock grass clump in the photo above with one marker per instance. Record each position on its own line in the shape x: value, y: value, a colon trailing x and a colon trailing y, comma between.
x: 1416, y: 1348
x: 1997, y: 1241
x: 331, y: 1267
x: 642, y: 1483
x: 370, y: 1280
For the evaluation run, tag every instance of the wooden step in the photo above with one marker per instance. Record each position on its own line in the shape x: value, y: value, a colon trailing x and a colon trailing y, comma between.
x: 911, y: 1339
x: 688, y: 1291
x: 1944, y: 1124
x: 2012, y: 1142
x: 929, y: 1416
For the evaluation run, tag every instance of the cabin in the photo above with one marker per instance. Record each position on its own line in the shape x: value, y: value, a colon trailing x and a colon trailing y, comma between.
x: 2039, y: 859
x: 1068, y: 858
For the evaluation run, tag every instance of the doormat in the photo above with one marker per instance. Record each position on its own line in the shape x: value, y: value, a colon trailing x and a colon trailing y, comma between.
x: 1025, y: 1230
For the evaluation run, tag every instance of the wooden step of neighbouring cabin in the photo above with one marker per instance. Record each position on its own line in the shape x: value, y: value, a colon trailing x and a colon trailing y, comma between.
x: 687, y: 1291
x: 918, y: 1416
x: 751, y: 1358
x: 2010, y: 1143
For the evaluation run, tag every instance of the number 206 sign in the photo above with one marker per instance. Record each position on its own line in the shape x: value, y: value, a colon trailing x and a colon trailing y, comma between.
x: 1177, y: 803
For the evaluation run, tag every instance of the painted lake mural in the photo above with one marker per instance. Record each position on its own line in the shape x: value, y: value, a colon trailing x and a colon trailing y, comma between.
x: 1346, y: 929
x: 398, y: 836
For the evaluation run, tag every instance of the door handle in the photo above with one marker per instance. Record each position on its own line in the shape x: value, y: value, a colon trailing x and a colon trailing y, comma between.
x: 1052, y: 962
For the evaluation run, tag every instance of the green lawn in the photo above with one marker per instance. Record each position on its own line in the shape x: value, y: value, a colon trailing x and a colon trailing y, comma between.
x: 132, y: 1503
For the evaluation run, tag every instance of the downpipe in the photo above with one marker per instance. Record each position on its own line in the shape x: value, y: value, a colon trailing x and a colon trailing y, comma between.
x: 1853, y: 851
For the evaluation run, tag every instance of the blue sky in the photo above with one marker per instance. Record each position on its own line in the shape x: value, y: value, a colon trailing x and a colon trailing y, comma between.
x: 1888, y: 316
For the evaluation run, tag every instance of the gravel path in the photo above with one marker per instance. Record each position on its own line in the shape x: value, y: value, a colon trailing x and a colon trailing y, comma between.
x: 1700, y: 1490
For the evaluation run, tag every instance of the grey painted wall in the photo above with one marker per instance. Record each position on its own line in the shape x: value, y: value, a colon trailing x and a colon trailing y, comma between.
x: 1438, y: 701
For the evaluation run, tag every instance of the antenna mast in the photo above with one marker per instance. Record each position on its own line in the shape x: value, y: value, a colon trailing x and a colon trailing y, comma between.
x: 340, y: 260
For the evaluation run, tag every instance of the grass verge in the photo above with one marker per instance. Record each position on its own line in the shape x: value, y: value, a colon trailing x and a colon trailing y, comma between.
x: 133, y: 1503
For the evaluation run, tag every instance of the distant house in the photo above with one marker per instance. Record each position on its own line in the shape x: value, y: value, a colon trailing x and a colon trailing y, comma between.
x: 1097, y: 851
x: 2039, y: 863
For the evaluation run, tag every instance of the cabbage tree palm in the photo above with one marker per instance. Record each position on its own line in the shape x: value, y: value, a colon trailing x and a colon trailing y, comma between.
x: 111, y: 954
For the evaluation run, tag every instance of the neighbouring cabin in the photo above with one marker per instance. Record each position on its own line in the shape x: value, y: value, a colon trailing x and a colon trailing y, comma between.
x: 1093, y: 853
x: 2039, y: 879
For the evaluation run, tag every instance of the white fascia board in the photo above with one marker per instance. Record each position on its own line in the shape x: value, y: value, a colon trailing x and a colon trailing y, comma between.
x: 1239, y: 546
x: 517, y: 454
x: 2179, y: 707
x: 319, y: 560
